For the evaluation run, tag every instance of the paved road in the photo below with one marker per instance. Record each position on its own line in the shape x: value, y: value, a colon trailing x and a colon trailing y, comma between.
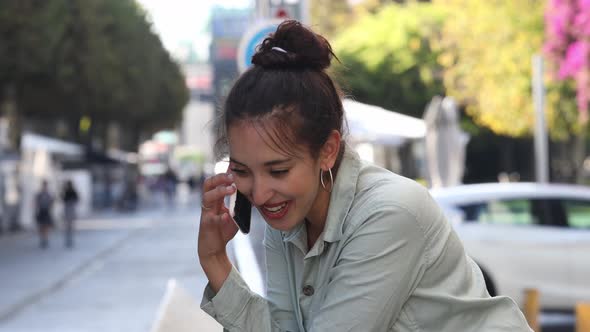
x: 114, y: 279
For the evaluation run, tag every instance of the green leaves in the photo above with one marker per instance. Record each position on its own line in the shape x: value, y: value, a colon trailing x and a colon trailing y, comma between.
x: 96, y: 58
x: 476, y: 51
x: 388, y: 59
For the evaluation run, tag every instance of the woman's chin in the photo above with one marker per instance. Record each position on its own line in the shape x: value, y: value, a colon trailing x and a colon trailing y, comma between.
x: 283, y: 225
x: 280, y: 221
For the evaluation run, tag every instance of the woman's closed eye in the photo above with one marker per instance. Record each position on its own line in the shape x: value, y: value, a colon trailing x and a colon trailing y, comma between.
x: 239, y: 172
x: 279, y: 172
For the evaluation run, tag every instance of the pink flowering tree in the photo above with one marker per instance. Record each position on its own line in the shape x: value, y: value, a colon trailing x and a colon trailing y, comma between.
x: 567, y: 46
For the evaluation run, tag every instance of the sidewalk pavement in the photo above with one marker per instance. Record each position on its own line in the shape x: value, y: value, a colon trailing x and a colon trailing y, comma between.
x: 114, y: 279
x: 29, y: 273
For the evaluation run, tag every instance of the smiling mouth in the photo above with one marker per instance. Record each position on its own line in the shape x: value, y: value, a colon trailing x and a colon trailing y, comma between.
x: 277, y: 211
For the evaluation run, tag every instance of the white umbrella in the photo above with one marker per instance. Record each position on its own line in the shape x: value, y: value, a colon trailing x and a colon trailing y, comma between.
x: 373, y: 124
x: 445, y: 143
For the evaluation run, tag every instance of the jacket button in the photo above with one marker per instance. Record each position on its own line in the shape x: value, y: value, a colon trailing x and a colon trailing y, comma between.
x: 308, y: 290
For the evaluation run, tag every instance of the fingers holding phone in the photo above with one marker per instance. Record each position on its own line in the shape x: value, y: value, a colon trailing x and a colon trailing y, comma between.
x: 217, y: 227
x: 215, y: 189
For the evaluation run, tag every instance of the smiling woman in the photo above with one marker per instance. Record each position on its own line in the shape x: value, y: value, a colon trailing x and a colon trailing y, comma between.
x: 349, y: 246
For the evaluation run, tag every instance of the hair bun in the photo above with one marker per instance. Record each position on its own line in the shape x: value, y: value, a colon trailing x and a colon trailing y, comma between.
x: 293, y: 46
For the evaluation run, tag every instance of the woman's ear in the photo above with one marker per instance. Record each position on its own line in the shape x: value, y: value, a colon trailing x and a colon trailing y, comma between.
x: 330, y: 149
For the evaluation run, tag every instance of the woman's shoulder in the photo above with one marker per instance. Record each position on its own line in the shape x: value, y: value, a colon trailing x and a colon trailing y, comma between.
x: 379, y: 187
x: 395, y: 200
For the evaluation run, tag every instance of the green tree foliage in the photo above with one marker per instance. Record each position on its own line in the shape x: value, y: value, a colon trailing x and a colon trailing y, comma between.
x: 388, y: 59
x: 476, y: 51
x: 88, y: 58
x: 330, y: 17
x: 487, y: 47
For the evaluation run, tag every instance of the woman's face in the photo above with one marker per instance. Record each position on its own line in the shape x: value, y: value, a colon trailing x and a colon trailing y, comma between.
x: 283, y: 188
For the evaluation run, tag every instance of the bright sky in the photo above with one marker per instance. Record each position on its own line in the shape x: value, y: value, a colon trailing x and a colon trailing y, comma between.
x: 182, y: 21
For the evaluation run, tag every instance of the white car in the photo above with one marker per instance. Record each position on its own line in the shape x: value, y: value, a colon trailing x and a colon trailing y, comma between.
x: 525, y: 235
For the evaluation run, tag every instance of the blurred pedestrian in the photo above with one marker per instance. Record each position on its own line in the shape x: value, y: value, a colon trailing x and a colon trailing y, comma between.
x: 43, y: 203
x: 349, y: 246
x: 129, y: 198
x: 12, y: 201
x: 191, y: 182
x: 170, y: 184
x: 70, y: 199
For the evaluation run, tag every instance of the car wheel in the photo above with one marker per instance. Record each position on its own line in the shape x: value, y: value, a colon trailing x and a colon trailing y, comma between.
x: 489, y: 283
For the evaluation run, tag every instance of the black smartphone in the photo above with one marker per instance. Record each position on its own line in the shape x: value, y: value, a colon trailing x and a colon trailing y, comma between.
x: 242, y: 212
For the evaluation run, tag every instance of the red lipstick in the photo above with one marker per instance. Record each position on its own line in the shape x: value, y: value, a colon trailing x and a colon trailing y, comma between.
x: 275, y: 211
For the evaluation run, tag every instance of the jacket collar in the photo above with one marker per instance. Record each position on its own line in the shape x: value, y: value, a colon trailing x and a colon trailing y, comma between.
x: 342, y: 195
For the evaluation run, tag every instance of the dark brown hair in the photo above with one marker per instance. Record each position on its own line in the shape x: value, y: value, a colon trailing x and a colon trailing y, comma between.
x: 288, y: 91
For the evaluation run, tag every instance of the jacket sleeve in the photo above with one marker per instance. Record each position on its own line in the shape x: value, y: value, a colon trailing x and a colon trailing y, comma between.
x: 237, y: 308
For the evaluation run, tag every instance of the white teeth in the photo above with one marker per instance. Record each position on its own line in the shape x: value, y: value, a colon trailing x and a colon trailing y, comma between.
x: 276, y: 208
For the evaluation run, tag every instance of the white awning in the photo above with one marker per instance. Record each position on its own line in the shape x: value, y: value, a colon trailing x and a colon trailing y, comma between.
x: 52, y: 145
x: 373, y: 124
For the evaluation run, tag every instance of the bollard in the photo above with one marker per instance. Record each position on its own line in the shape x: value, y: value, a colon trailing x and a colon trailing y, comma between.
x: 531, y: 308
x: 583, y: 317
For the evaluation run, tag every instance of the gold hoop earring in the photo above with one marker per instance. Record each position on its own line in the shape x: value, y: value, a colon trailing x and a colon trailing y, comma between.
x: 331, y: 180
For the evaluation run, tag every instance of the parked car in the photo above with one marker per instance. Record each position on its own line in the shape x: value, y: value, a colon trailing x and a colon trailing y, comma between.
x: 526, y: 235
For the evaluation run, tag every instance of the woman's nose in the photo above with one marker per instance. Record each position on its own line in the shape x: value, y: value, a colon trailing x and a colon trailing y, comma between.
x: 261, y: 192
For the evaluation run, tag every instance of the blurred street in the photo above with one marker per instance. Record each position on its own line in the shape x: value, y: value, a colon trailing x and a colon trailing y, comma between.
x: 112, y: 280
x: 113, y: 114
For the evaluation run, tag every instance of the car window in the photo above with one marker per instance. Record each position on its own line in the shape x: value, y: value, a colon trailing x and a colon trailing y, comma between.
x: 542, y: 211
x: 578, y: 213
x: 549, y: 212
x: 512, y: 212
x: 507, y: 212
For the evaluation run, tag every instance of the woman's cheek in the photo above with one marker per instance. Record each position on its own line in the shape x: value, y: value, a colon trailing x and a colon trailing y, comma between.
x: 241, y: 184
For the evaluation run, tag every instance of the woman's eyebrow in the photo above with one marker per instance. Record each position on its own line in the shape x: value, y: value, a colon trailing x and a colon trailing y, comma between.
x: 276, y: 162
x: 236, y: 162
x: 268, y: 163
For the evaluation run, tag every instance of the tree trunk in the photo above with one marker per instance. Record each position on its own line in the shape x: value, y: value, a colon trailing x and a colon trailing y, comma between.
x: 10, y: 109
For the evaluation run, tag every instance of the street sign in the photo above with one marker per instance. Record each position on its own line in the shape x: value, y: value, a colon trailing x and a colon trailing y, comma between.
x: 251, y: 39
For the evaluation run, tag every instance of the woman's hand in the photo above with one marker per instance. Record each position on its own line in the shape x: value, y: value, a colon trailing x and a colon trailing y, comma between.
x: 216, y: 229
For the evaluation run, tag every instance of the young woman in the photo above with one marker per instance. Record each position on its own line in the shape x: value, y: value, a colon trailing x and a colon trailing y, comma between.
x: 43, y: 205
x: 349, y: 246
x: 70, y: 198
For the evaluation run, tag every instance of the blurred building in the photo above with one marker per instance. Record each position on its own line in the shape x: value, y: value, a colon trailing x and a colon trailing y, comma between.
x: 227, y: 28
x: 196, y: 132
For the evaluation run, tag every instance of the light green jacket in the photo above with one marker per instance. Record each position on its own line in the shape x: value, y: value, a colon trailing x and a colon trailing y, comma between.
x: 386, y: 261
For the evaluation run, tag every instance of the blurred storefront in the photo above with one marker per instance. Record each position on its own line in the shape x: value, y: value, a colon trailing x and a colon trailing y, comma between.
x: 41, y: 160
x: 100, y: 178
